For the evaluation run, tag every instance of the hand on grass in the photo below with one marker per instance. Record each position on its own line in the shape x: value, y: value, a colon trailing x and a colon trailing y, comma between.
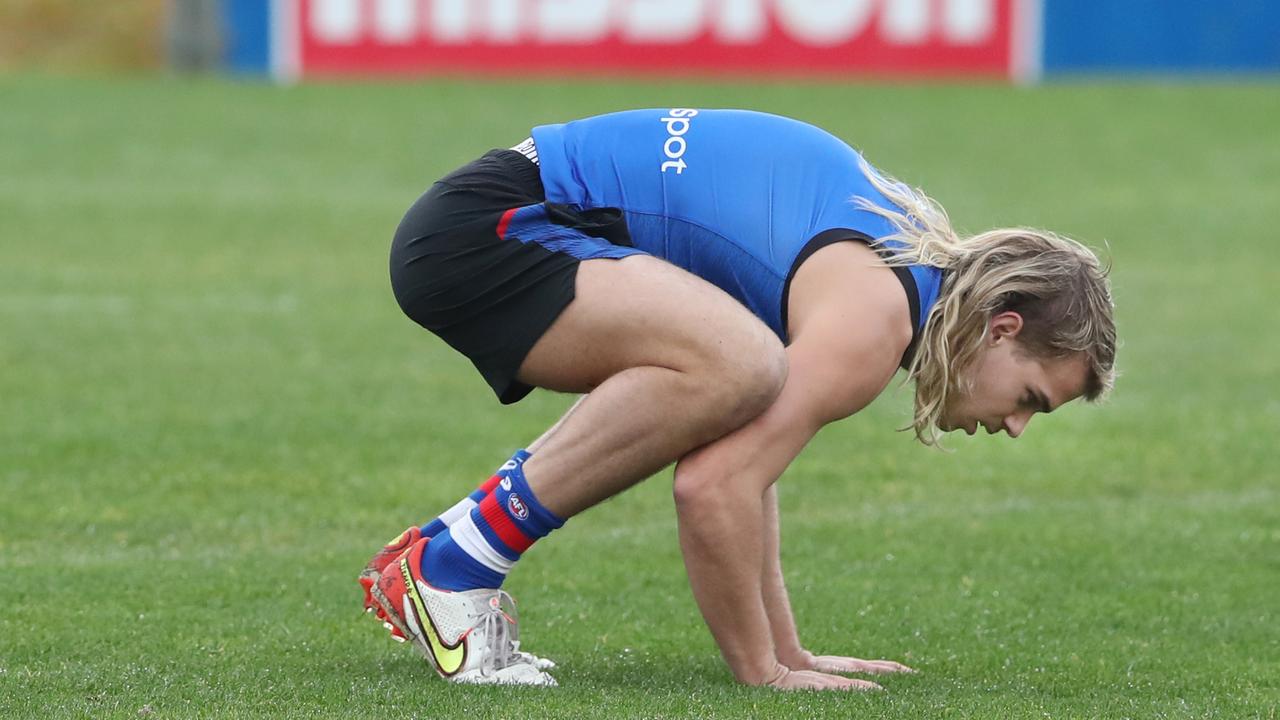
x: 841, y: 664
x: 814, y: 680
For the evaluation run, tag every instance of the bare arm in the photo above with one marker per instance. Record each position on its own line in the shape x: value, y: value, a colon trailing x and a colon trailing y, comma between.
x: 727, y: 537
x: 844, y: 352
x: 719, y: 500
x: 777, y: 604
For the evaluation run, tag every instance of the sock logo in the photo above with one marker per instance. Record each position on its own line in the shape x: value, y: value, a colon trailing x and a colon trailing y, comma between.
x: 517, y: 506
x: 505, y: 483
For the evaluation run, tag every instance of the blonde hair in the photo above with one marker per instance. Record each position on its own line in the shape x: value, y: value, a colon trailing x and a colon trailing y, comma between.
x: 1057, y: 285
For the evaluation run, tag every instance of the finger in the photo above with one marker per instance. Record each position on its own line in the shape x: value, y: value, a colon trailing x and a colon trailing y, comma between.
x: 836, y: 682
x: 800, y: 680
x: 819, y: 681
x: 885, y: 666
x: 835, y: 663
x: 863, y: 685
x: 811, y: 680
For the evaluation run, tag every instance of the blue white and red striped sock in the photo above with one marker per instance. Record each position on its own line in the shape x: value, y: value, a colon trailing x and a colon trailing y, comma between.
x: 480, y: 548
x: 464, y: 506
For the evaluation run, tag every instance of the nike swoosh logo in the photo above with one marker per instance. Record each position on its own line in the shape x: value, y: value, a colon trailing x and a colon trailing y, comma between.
x: 448, y: 658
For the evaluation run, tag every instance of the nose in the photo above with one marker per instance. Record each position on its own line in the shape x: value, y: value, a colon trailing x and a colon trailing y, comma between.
x: 1015, y: 424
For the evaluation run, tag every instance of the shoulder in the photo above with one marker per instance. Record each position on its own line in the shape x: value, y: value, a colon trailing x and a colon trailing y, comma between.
x: 846, y: 285
x: 849, y: 322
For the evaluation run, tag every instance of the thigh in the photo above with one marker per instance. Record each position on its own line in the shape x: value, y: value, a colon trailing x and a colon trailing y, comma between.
x: 643, y: 311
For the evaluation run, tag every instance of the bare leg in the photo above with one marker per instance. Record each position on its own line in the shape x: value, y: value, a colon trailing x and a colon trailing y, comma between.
x: 670, y: 363
x: 542, y: 439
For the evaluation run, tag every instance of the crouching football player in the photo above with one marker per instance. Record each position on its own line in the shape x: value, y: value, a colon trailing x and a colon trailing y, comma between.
x: 718, y: 284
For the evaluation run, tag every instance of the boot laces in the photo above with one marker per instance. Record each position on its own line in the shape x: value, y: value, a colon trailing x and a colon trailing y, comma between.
x: 498, y: 623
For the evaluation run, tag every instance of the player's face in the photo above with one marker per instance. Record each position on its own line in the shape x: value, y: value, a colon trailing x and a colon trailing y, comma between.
x: 1008, y: 386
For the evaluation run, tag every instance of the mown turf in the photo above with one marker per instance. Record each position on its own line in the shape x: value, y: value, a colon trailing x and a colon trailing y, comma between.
x: 213, y: 411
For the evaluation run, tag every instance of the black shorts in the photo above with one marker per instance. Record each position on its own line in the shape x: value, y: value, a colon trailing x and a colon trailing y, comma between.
x: 485, y: 263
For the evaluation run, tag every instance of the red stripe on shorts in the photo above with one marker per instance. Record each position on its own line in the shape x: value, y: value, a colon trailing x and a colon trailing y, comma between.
x: 504, y: 222
x: 502, y: 525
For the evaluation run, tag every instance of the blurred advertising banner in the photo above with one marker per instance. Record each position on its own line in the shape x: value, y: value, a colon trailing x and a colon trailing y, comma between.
x: 1162, y: 37
x: 1016, y: 39
x: 952, y: 38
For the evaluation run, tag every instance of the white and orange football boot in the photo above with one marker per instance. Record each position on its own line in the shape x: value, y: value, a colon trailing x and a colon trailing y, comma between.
x: 468, y: 636
x: 389, y: 552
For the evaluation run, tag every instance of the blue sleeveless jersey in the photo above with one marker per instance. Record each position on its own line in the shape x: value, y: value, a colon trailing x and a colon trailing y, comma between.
x: 735, y: 197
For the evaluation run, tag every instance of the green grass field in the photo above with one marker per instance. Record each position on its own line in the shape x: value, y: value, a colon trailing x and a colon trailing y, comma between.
x: 213, y: 412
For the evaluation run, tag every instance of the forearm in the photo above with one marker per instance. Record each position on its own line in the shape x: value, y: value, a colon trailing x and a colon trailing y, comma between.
x: 723, y: 553
x: 777, y: 603
x: 721, y: 501
x: 838, y: 361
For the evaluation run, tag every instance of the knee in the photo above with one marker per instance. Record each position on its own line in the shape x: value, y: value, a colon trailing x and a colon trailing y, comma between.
x: 763, y: 378
x: 693, y: 490
x: 748, y: 377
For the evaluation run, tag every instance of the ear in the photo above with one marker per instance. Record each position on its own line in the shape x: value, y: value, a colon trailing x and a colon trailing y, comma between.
x: 1004, y: 326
